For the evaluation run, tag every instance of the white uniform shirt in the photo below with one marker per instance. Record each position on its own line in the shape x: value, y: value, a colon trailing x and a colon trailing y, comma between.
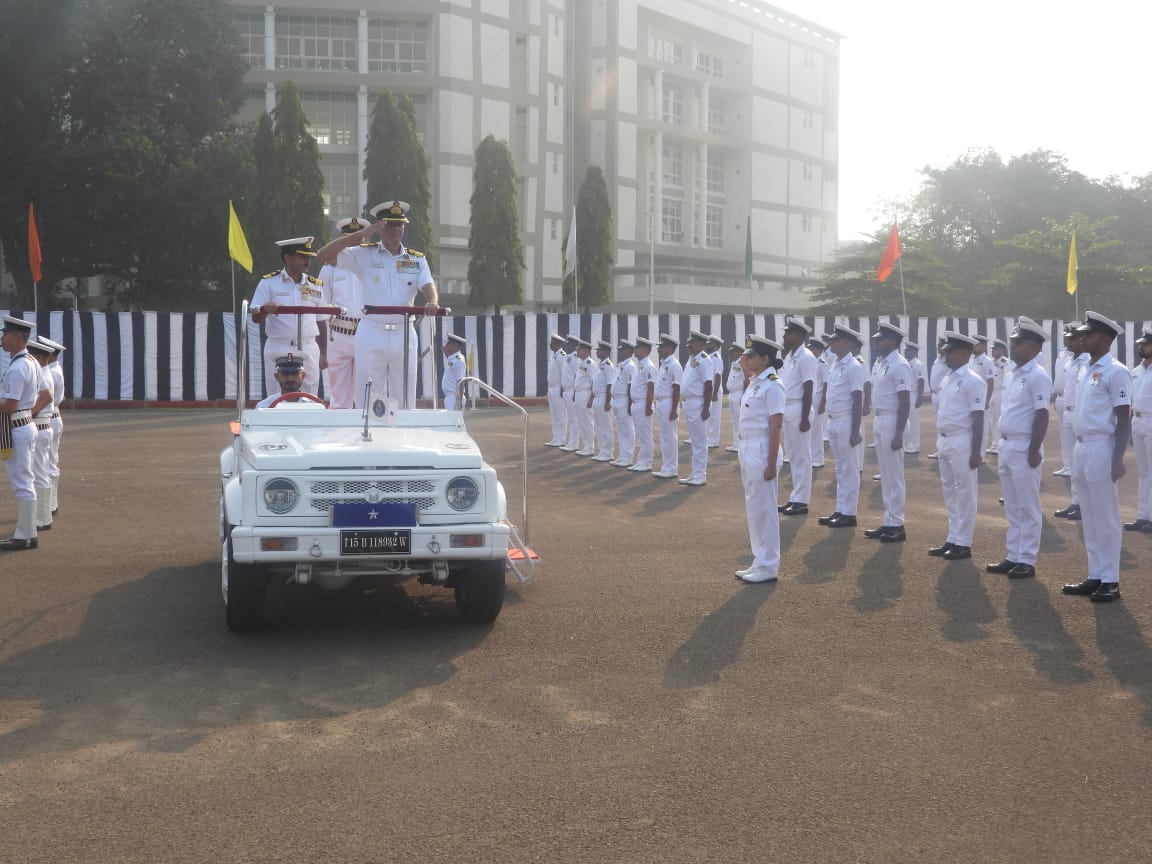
x: 385, y: 279
x: 644, y: 375
x: 1027, y: 389
x: 21, y: 381
x: 46, y: 383
x: 584, y: 370
x: 823, y: 367
x: 918, y: 374
x: 763, y: 397
x: 936, y: 376
x: 1063, y: 361
x: 844, y: 378
x: 278, y: 288
x: 717, y: 371
x: 602, y: 375
x: 1142, y: 390
x: 697, y: 373
x: 556, y: 367
x: 735, y: 378
x: 1073, y: 375
x: 892, y: 375
x: 568, y: 373
x: 961, y: 392
x: 58, y: 390
x: 1000, y: 368
x: 983, y: 366
x: 622, y: 380
x: 671, y: 373
x: 342, y: 289
x: 455, y: 369
x: 798, y: 369
x: 1104, y: 386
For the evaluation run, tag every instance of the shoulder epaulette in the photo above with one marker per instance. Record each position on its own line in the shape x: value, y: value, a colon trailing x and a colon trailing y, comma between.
x: 772, y: 376
x: 270, y: 275
x: 414, y: 253
x: 364, y: 244
x: 314, y: 280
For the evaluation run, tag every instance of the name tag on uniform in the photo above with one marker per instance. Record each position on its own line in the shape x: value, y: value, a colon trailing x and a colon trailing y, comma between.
x: 1095, y: 382
x: 403, y: 266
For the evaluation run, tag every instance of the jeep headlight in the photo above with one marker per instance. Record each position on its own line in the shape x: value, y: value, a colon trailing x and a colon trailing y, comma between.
x: 462, y: 493
x: 280, y: 495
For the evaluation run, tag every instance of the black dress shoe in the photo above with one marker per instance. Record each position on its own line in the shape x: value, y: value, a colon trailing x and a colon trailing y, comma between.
x: 795, y: 509
x: 894, y: 535
x: 1073, y: 514
x: 874, y: 533
x: 1063, y: 514
x: 1022, y: 571
x: 939, y: 551
x: 15, y: 545
x: 1106, y: 593
x: 958, y: 552
x: 824, y: 520
x: 1082, y: 589
x: 1004, y: 566
x: 842, y: 521
x: 1138, y: 525
x: 783, y: 508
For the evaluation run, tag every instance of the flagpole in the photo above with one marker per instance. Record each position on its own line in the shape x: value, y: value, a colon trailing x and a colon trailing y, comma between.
x: 232, y: 268
x: 651, y: 261
x: 903, y: 298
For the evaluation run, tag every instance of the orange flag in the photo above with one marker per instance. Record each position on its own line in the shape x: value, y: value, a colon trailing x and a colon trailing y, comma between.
x: 891, y: 253
x: 35, y: 259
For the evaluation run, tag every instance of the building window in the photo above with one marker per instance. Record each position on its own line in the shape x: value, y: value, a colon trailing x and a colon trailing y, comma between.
x: 552, y: 231
x: 809, y: 57
x: 807, y: 170
x: 331, y: 116
x: 710, y: 64
x: 672, y: 164
x: 672, y: 106
x: 312, y: 42
x: 806, y: 223
x: 555, y: 163
x: 520, y: 136
x: 806, y: 120
x: 556, y: 25
x: 717, y: 120
x: 666, y: 51
x: 341, y: 185
x: 716, y: 175
x: 714, y: 227
x: 397, y: 46
x: 672, y: 220
x: 251, y: 29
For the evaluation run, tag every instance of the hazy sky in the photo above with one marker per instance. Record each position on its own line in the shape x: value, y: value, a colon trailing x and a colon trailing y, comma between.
x: 921, y: 82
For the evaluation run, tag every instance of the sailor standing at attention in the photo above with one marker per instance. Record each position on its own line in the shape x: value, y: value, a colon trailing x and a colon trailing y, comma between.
x: 696, y: 397
x: 602, y: 376
x: 455, y: 371
x: 919, y: 388
x: 568, y: 387
x: 557, y: 411
x: 892, y: 401
x: 844, y: 409
x: 1000, y: 364
x: 643, y: 404
x: 621, y: 402
x: 823, y: 364
x: 585, y: 370
x: 713, y: 346
x: 1061, y: 385
x: 735, y: 388
x: 798, y: 377
x: 1142, y: 432
x: 668, y: 379
x: 18, y: 389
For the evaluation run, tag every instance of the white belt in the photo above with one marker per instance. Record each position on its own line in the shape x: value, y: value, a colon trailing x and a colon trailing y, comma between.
x: 1087, y: 439
x: 21, y: 415
x: 1016, y: 436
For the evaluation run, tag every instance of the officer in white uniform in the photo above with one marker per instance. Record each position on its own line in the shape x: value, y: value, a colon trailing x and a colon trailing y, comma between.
x: 18, y: 389
x: 919, y: 390
x: 1000, y: 365
x: 42, y: 418
x: 557, y: 410
x: 343, y: 289
x: 1103, y: 427
x: 734, y: 385
x: 959, y: 443
x: 1142, y: 432
x: 798, y: 377
x: 389, y: 275
x: 290, y: 377
x: 935, y: 380
x: 669, y: 375
x: 291, y: 286
x: 455, y: 371
x: 619, y: 391
x: 568, y: 388
x: 1023, y: 423
x: 57, y: 373
x: 1073, y: 373
x: 761, y: 421
x: 713, y: 346
x: 891, y: 404
x: 643, y: 404
x: 602, y: 374
x: 582, y: 401
x: 844, y: 410
x: 983, y: 366
x: 1061, y: 386
x: 823, y: 365
x: 696, y: 399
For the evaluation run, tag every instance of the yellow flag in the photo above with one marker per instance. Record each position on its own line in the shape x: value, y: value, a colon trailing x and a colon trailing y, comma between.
x: 237, y: 245
x: 1073, y: 265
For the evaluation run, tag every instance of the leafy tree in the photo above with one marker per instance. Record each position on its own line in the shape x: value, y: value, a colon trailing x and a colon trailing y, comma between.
x: 496, y: 265
x: 594, y: 231
x: 396, y: 166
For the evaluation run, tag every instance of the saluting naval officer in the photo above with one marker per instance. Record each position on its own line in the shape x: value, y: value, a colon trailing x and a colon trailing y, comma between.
x: 734, y: 386
x: 18, y: 389
x: 844, y: 409
x: 959, y: 443
x: 557, y: 410
x: 761, y: 422
x: 620, y: 390
x: 669, y: 376
x: 455, y: 371
x: 696, y: 397
x: 798, y: 377
x: 603, y: 375
x: 1023, y: 423
x: 390, y: 274
x: 292, y: 286
x: 343, y: 290
x: 290, y: 377
x: 713, y: 347
x: 1103, y: 427
x: 891, y: 402
x: 823, y: 357
x: 643, y: 404
x: 1142, y: 432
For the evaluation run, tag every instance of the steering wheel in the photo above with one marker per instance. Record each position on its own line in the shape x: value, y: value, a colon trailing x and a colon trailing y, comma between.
x: 298, y: 396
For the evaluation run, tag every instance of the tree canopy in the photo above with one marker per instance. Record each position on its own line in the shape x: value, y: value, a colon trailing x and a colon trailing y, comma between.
x: 496, y: 266
x: 396, y: 167
x: 594, y: 242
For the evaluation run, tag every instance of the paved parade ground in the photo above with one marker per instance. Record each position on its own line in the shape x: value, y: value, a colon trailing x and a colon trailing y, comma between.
x: 633, y: 703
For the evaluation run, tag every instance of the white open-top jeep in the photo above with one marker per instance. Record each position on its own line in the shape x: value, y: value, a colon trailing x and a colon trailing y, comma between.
x: 311, y: 495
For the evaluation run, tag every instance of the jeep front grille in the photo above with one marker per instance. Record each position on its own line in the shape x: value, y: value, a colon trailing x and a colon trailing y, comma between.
x: 328, y: 492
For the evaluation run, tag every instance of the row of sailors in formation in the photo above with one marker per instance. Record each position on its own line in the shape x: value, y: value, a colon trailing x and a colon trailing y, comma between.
x: 997, y: 404
x: 31, y: 427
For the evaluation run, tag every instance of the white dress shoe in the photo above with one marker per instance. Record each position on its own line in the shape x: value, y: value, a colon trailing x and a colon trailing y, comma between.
x: 585, y: 452
x: 568, y: 449
x: 819, y: 464
x: 747, y: 571
x: 692, y: 481
x: 664, y: 475
x: 639, y: 468
x: 759, y: 574
x: 553, y: 443
x: 602, y: 459
x: 732, y: 449
x: 622, y: 464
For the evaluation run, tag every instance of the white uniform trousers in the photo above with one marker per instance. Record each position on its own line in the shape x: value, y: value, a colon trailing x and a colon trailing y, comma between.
x: 19, y: 467
x: 1020, y: 484
x: 54, y: 458
x: 715, y: 414
x: 585, y: 420
x: 760, y: 502
x: 669, y: 433
x: 625, y: 430
x: 959, y: 484
x: 1142, y: 444
x: 1099, y: 507
x: 734, y: 399
x: 799, y: 447
x: 992, y: 420
x: 572, y: 438
x: 817, y: 437
x: 380, y: 357
x: 912, y: 429
x: 274, y: 348
x: 602, y: 421
x: 41, y: 459
x: 558, y: 414
x: 341, y: 368
x: 1067, y: 441
x: 697, y: 434
x: 847, y: 464
x: 891, y: 465
x: 642, y: 426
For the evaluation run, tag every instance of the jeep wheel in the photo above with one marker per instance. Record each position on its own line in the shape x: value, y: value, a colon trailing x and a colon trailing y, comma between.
x: 480, y: 591
x: 244, y: 588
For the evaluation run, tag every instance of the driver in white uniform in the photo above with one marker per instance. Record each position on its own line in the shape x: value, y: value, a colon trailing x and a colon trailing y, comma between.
x: 290, y: 376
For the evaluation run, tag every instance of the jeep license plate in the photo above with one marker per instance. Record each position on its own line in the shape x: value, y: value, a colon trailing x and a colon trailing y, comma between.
x: 395, y: 542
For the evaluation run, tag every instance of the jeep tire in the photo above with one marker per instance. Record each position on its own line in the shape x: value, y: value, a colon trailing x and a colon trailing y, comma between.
x: 480, y: 591
x: 244, y: 593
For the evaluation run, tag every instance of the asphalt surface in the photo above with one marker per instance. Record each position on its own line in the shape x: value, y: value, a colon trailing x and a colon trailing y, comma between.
x: 633, y: 703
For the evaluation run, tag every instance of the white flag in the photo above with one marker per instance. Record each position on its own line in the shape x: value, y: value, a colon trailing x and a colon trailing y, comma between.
x: 570, y: 248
